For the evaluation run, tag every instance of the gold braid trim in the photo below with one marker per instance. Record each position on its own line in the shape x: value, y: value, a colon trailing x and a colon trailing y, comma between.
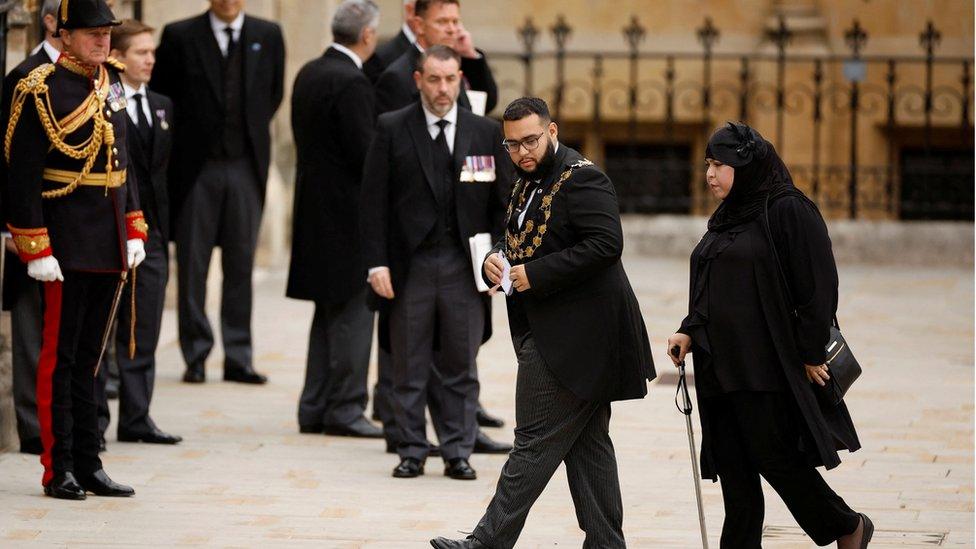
x: 515, y: 244
x: 115, y: 64
x: 102, y: 131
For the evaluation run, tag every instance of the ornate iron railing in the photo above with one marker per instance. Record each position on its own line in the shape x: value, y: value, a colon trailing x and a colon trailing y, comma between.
x: 820, y: 108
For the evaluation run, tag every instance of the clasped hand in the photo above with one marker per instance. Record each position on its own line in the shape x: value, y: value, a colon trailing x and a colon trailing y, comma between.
x: 494, y: 267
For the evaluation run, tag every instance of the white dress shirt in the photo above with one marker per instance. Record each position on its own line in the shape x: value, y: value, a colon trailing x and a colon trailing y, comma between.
x: 218, y: 27
x: 409, y: 33
x: 52, y: 52
x: 132, y: 104
x: 352, y: 55
x: 449, y: 131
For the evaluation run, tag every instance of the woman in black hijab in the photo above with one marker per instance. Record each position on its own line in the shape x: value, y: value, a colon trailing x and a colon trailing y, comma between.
x: 757, y: 361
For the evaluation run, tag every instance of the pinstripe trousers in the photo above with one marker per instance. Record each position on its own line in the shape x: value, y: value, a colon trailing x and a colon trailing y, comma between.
x: 553, y: 426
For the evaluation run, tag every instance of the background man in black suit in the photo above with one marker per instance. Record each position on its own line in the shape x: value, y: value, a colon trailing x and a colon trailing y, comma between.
x: 433, y: 178
x: 438, y: 22
x: 224, y: 72
x: 22, y: 294
x: 149, y: 139
x: 577, y: 330
x: 332, y: 118
x: 388, y: 52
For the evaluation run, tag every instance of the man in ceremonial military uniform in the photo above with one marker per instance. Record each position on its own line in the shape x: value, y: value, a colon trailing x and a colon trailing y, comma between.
x: 77, y: 224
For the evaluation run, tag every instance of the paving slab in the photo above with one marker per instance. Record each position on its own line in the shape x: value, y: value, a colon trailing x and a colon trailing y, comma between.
x: 244, y: 477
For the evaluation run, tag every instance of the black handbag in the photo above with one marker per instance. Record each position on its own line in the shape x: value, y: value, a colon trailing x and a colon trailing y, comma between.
x: 841, y: 363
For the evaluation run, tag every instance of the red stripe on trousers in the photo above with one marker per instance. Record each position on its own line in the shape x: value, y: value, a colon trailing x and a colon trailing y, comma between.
x: 45, y: 373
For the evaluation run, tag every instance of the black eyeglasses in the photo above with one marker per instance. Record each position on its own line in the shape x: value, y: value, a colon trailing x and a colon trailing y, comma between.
x: 530, y: 143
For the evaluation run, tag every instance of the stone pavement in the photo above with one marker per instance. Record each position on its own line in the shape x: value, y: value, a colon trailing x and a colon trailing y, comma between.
x: 244, y: 477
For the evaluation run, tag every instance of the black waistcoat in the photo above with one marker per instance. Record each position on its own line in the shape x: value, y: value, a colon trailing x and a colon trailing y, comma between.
x: 233, y: 134
x: 445, y: 231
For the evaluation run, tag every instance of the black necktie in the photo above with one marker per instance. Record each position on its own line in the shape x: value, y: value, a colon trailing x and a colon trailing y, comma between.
x: 142, y: 123
x: 231, y: 43
x: 441, y: 139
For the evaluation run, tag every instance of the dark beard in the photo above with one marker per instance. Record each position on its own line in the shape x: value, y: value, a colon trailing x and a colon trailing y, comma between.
x: 543, y: 168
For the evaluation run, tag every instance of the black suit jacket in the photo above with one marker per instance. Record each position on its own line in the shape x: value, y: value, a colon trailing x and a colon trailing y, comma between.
x: 188, y: 71
x: 580, y: 307
x: 395, y: 88
x: 15, y: 279
x: 151, y: 165
x: 398, y: 187
x: 333, y: 115
x: 385, y: 54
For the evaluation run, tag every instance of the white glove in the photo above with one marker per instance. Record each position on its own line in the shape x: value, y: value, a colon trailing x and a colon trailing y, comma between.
x: 136, y: 250
x: 45, y: 269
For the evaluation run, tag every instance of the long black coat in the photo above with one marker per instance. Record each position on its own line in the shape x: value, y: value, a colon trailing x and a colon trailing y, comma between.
x: 399, y: 179
x: 395, y: 87
x: 188, y: 71
x: 385, y: 54
x: 151, y: 166
x: 804, y: 246
x: 332, y: 119
x: 581, y: 308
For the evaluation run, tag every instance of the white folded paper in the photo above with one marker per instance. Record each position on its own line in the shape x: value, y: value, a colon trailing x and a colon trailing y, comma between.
x: 478, y: 100
x: 506, y: 273
x: 480, y: 245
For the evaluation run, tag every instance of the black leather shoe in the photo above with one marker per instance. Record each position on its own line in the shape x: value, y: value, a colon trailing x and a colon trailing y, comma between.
x: 244, y: 375
x: 470, y: 543
x: 64, y: 486
x: 484, y: 445
x: 32, y: 446
x: 460, y: 469
x: 99, y: 484
x: 409, y: 468
x: 194, y: 374
x: 486, y: 420
x: 361, y: 428
x: 154, y: 436
x: 311, y: 429
x: 433, y: 449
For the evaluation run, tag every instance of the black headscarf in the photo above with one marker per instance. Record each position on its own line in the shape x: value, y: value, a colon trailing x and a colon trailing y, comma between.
x: 759, y: 172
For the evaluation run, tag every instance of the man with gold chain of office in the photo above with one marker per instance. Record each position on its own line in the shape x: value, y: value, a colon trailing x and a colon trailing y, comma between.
x: 77, y: 224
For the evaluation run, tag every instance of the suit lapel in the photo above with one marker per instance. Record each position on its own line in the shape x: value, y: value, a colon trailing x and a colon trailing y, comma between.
x: 210, y: 56
x: 159, y: 134
x: 462, y: 140
x: 424, y: 146
x: 251, y: 52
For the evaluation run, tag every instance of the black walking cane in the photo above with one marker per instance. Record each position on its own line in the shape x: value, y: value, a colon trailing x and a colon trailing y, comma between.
x: 686, y: 408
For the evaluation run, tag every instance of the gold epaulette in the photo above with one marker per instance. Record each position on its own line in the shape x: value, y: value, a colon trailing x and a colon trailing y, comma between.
x: 115, y: 64
x: 33, y: 83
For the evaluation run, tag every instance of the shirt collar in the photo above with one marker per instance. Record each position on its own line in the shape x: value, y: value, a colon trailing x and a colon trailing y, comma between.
x: 51, y: 51
x: 451, y: 116
x: 218, y: 25
x: 352, y: 55
x: 130, y: 91
x: 409, y: 33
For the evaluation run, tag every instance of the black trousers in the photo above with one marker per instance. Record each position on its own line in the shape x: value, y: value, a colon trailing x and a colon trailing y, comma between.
x: 25, y: 347
x: 339, y: 342
x: 75, y: 314
x: 439, y: 294
x: 138, y: 375
x: 757, y: 434
x: 553, y: 426
x: 222, y: 209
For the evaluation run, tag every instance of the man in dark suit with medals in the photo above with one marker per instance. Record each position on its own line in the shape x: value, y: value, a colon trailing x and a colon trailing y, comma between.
x: 149, y: 139
x: 425, y: 202
x: 389, y: 51
x: 224, y: 72
x: 576, y: 326
x: 332, y: 119
x: 439, y: 22
x: 75, y: 218
x: 21, y: 293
